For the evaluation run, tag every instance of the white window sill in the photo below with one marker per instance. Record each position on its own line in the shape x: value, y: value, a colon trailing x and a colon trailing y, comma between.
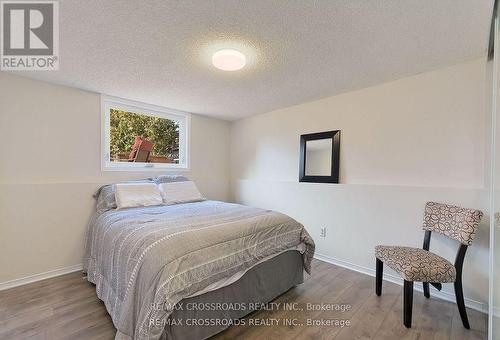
x: 143, y: 167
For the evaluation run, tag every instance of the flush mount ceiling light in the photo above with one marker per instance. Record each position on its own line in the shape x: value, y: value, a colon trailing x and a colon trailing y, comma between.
x: 229, y: 60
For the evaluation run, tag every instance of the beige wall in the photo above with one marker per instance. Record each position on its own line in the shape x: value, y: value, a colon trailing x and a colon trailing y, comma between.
x: 403, y: 143
x: 50, y: 167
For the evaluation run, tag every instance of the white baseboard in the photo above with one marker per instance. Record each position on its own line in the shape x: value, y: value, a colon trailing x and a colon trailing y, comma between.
x: 473, y: 304
x: 41, y: 276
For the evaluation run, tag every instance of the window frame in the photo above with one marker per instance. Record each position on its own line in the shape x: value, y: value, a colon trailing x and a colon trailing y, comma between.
x: 184, y: 119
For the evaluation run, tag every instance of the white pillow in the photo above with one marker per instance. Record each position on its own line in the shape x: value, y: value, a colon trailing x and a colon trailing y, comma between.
x: 129, y: 195
x: 180, y: 192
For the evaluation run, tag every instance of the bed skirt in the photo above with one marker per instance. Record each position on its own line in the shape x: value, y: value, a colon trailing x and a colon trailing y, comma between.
x: 205, y: 315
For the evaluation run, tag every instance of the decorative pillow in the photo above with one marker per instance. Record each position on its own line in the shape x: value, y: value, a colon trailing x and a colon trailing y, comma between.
x: 129, y: 195
x: 105, y: 195
x: 105, y: 198
x: 170, y: 178
x: 180, y: 192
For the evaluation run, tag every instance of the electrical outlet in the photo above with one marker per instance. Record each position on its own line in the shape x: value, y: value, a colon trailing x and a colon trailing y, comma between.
x: 322, y: 232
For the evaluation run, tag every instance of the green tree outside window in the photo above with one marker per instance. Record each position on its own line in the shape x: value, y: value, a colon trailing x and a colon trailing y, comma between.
x: 162, y: 132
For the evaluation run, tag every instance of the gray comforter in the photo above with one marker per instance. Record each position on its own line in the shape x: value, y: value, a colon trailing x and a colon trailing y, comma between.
x: 145, y: 260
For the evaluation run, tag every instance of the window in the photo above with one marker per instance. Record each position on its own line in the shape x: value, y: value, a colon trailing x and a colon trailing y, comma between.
x: 141, y: 136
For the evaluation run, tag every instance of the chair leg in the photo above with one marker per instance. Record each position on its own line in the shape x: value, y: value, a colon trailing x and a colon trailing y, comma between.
x: 459, y: 294
x: 407, y: 303
x: 378, y: 277
x: 427, y: 294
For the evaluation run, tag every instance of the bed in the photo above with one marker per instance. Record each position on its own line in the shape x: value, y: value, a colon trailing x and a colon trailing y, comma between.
x: 150, y: 263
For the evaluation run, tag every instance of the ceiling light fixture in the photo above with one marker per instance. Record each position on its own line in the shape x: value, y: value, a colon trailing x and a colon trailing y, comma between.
x: 229, y: 60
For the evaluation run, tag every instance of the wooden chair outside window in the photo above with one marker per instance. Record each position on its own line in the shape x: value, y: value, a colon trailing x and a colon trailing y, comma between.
x: 421, y: 265
x: 140, y: 151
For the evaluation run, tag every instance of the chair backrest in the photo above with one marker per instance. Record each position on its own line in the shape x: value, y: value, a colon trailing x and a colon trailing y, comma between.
x: 455, y: 222
x: 141, y: 150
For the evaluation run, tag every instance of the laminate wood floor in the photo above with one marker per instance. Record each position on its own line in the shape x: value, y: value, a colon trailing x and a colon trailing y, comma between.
x: 66, y: 307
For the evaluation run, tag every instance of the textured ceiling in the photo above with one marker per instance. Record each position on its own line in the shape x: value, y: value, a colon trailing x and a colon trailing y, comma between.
x: 159, y: 51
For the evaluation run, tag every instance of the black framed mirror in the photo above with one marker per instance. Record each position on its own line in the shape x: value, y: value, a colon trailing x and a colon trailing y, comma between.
x: 320, y: 157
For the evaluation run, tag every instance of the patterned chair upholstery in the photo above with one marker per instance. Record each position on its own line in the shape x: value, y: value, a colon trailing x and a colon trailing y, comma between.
x: 421, y: 265
x: 415, y: 264
x: 457, y: 223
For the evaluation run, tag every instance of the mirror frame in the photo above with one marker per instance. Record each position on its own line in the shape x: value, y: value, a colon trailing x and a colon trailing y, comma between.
x: 334, y: 171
